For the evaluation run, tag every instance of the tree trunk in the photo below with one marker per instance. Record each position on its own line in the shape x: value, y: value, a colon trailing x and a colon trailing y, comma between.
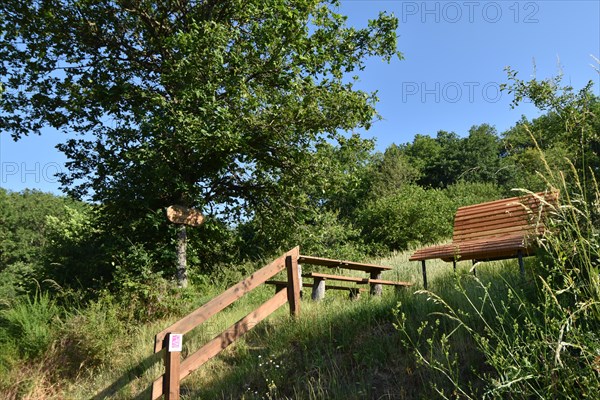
x: 182, y: 280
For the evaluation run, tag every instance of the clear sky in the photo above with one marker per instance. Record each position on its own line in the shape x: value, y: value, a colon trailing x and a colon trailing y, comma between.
x: 454, y: 52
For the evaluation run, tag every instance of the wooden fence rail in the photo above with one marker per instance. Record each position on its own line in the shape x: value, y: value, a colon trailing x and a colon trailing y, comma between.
x: 177, y: 369
x: 168, y: 384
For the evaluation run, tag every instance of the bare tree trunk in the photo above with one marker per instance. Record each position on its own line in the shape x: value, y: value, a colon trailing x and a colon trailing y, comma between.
x: 182, y: 280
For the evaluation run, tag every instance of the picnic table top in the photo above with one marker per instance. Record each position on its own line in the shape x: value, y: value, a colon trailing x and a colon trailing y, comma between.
x: 356, y: 266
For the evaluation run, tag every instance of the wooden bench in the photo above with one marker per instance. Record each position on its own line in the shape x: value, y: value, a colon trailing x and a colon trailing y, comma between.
x: 495, y: 230
x: 319, y: 282
x: 354, y: 292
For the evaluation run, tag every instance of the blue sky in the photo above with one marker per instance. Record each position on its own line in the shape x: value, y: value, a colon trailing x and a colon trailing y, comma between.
x: 454, y: 52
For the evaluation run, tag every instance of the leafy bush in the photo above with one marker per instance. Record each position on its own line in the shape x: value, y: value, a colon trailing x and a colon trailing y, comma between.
x: 410, y: 216
x: 142, y: 292
x: 468, y: 193
x: 75, y: 256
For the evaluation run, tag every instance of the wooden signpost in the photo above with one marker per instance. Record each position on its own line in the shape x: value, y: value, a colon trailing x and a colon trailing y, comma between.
x: 183, y: 216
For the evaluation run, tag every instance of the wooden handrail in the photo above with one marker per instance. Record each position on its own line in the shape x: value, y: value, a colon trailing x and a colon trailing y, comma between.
x: 223, y: 300
x: 292, y: 295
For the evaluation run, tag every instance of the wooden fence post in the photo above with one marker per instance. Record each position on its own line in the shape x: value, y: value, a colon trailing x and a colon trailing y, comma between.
x: 172, y: 360
x: 291, y: 263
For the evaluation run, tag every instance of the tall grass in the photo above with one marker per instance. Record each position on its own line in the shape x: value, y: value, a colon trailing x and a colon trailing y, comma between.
x: 27, y: 324
x: 538, y: 343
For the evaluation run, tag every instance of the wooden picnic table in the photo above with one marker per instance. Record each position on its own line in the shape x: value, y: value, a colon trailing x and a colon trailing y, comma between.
x: 374, y: 271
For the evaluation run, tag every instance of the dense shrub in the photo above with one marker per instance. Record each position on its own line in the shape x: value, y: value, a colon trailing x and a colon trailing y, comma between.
x: 408, y: 217
x: 468, y: 193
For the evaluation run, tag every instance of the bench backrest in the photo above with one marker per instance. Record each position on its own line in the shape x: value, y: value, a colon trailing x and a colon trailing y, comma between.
x: 513, y: 216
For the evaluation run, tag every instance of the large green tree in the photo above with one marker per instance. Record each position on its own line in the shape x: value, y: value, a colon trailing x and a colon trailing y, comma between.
x: 208, y: 104
x: 448, y: 158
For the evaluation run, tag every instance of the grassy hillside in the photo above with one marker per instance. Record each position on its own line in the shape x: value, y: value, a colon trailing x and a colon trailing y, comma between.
x: 337, y: 349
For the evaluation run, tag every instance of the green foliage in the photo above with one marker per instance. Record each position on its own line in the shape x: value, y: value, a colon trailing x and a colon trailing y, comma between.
x: 28, y: 323
x: 543, y: 345
x: 392, y: 170
x: 469, y: 193
x: 410, y: 216
x: 449, y: 158
x: 141, y: 291
x: 76, y: 256
x: 570, y: 128
x: 209, y: 105
x: 91, y: 337
x: 318, y: 214
x: 24, y: 234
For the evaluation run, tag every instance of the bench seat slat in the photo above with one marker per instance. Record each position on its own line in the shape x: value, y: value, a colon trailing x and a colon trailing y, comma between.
x: 391, y: 283
x: 473, y: 249
x: 336, y: 277
x: 356, y: 280
x: 349, y: 288
x: 493, y: 233
x: 500, y: 219
x: 508, y: 205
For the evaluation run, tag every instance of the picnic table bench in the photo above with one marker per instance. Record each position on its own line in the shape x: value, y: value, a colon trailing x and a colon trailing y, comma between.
x: 495, y: 230
x: 373, y: 280
x: 353, y: 292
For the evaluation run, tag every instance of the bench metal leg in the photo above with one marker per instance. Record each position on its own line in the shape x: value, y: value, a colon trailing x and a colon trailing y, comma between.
x: 376, y: 288
x: 474, y: 269
x: 521, y: 264
x: 318, y: 291
x: 454, y: 265
x: 424, y: 269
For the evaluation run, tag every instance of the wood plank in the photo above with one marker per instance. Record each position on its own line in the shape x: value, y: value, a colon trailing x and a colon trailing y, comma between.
x: 172, y: 364
x: 284, y: 283
x: 348, y: 288
x: 499, y: 229
x: 498, y: 233
x: 337, y: 277
x: 225, y: 299
x: 293, y: 288
x: 489, y: 212
x: 514, y: 204
x: 470, y: 211
x: 495, y: 220
x: 222, y: 341
x: 392, y: 283
x: 184, y: 215
x: 326, y: 262
x: 465, y: 249
x: 500, y: 218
